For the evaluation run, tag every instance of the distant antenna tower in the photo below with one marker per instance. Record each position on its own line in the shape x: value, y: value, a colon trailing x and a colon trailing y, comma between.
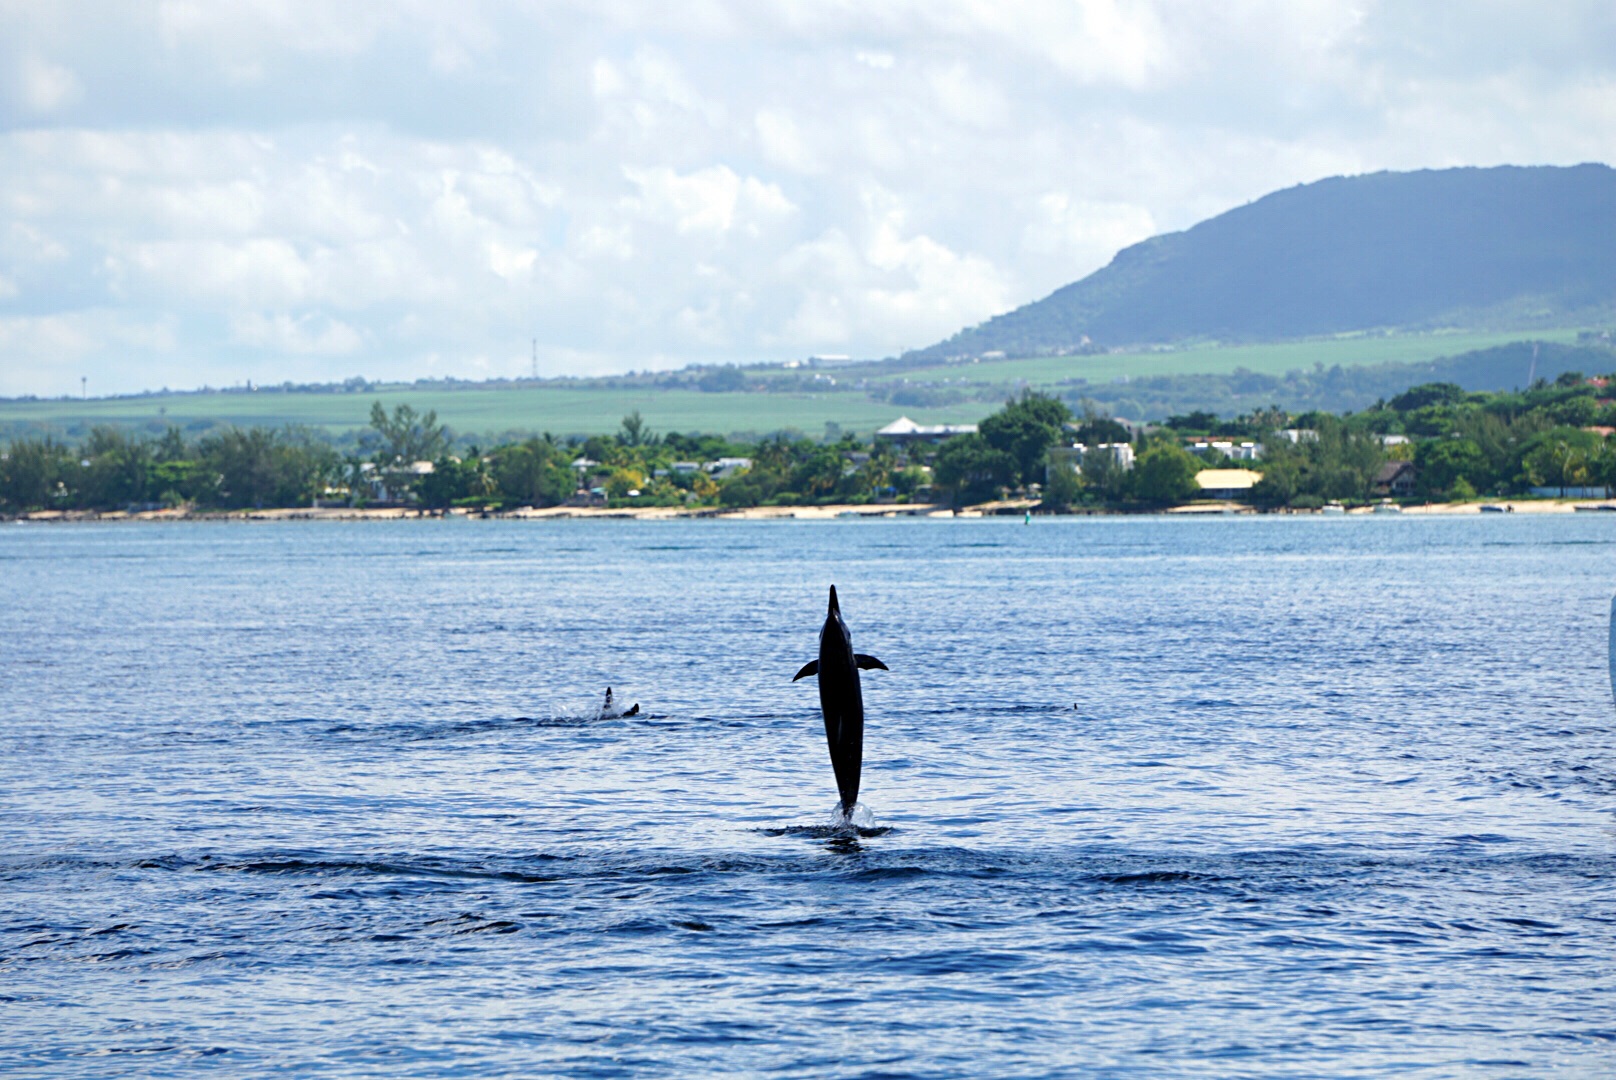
x: 1531, y: 374
x: 84, y: 387
x: 535, y: 358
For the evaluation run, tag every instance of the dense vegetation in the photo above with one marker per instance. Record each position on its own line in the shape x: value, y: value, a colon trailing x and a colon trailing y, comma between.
x: 1503, y: 246
x: 1337, y: 388
x: 1462, y: 444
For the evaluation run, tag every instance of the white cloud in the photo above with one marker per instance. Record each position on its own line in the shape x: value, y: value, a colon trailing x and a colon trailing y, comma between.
x: 1083, y: 231
x: 286, y: 333
x: 47, y: 354
x: 256, y: 272
x: 511, y: 263
x: 783, y: 143
x: 967, y: 98
x: 914, y: 287
x: 47, y: 86
x: 607, y: 241
x: 711, y: 200
x: 935, y: 287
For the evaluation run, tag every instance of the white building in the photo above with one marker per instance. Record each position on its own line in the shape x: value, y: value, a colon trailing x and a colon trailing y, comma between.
x: 726, y: 467
x: 1073, y: 456
x: 1236, y: 451
x: 904, y: 430
x: 1227, y: 483
x: 392, y: 483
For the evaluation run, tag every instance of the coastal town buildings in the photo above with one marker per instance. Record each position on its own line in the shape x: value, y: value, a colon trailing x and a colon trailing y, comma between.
x: 1234, y: 451
x: 1120, y: 455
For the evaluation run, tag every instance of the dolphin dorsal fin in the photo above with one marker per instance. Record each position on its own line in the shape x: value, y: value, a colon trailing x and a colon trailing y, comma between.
x: 810, y: 668
x: 867, y: 662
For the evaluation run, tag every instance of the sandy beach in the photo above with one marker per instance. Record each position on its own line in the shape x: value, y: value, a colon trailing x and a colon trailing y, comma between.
x: 552, y: 513
x: 763, y: 513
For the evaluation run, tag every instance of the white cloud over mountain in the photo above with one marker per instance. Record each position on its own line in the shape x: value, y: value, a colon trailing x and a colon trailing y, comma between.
x: 291, y: 189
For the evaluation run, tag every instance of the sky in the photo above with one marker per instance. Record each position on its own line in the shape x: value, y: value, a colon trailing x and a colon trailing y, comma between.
x: 205, y: 193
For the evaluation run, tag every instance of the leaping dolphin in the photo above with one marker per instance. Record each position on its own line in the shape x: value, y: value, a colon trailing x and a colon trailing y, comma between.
x: 841, y: 700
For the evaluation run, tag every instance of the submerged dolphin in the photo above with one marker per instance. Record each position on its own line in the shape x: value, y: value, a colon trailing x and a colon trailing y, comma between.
x: 841, y: 700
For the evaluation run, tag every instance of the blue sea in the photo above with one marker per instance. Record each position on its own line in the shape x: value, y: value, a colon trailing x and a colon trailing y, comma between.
x: 1151, y: 797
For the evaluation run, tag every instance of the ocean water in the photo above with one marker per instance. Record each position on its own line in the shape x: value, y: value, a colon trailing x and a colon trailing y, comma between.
x: 1171, y: 798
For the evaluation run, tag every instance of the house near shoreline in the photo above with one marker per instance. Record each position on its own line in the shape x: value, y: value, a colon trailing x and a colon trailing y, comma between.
x: 904, y: 431
x: 1394, y: 478
x: 1227, y: 483
x: 390, y: 484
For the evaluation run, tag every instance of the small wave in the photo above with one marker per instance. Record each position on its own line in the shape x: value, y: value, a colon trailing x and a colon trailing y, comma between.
x: 826, y: 832
x: 319, y: 865
x: 484, y: 727
x: 1024, y: 709
x: 893, y: 873
x: 469, y: 923
x: 461, y: 729
x: 1158, y: 877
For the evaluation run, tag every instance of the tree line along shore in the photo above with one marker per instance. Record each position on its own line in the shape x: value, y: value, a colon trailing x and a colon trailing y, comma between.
x: 1433, y: 442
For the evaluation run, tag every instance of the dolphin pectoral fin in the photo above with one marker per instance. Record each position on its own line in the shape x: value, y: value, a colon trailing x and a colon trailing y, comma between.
x: 810, y: 668
x: 868, y: 662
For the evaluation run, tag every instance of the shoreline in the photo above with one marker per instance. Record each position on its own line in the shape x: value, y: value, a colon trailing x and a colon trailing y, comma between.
x: 1007, y: 508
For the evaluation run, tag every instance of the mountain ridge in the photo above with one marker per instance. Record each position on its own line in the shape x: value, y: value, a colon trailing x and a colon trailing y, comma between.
x: 1518, y: 246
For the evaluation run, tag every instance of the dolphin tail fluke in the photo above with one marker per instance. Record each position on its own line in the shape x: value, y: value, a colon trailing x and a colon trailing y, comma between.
x: 810, y: 668
x: 868, y: 662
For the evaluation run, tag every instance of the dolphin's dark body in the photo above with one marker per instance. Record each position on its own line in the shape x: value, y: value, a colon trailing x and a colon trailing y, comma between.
x: 610, y: 711
x: 841, y: 700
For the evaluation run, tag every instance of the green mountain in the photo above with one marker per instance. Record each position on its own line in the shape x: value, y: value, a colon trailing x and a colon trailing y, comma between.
x: 1500, y: 248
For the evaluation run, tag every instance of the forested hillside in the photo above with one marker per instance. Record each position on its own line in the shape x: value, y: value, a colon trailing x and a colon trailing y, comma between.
x: 1505, y: 247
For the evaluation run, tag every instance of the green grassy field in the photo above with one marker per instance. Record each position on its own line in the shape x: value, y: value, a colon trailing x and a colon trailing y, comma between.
x: 567, y: 411
x: 562, y: 411
x: 1275, y: 359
